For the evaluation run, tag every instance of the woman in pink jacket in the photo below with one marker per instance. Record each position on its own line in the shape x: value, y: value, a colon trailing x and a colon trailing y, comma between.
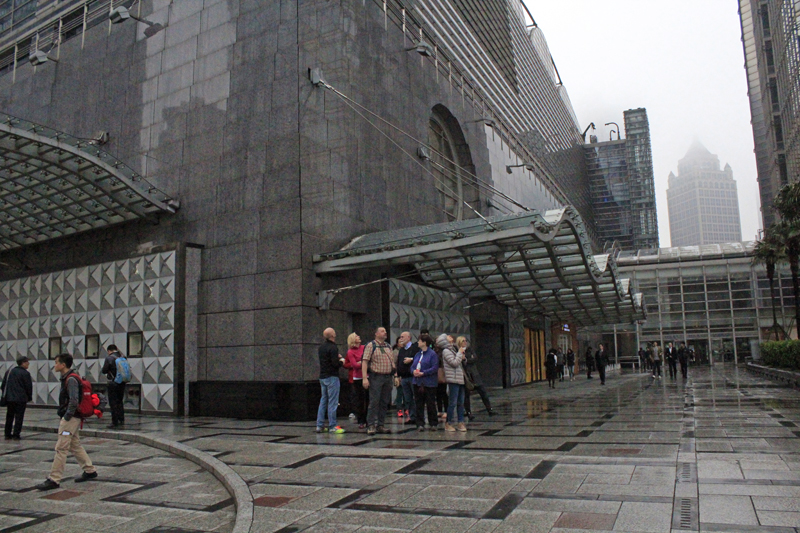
x: 355, y: 350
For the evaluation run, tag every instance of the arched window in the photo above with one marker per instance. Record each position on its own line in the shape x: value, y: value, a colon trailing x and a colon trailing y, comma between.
x: 446, y: 173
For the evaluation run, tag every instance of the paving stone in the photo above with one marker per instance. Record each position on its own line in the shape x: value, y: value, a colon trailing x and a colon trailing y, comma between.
x: 727, y: 510
x: 779, y: 518
x: 648, y: 517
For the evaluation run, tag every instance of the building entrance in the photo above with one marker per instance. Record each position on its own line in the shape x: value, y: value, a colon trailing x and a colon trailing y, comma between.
x: 489, y: 345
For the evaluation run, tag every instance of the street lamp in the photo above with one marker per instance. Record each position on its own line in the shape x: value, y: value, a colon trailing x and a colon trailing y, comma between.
x: 120, y: 14
x: 37, y: 57
x: 527, y: 167
x: 617, y: 130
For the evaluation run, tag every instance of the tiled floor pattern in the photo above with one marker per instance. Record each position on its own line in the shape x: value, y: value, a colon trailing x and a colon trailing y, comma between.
x: 716, y: 453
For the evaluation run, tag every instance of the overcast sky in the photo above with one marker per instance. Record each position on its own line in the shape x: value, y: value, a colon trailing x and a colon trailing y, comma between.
x: 680, y: 59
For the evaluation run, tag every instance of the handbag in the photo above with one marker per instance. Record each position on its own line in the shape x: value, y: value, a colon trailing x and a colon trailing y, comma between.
x: 468, y: 382
x: 442, y: 378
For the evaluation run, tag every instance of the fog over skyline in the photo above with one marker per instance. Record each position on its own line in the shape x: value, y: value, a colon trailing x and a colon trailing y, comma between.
x: 682, y: 60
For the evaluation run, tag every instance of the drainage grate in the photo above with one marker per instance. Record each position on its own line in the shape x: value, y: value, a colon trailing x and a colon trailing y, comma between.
x: 684, y: 514
x: 687, y: 473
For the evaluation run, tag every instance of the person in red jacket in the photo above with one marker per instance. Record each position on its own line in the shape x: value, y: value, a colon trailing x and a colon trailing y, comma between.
x: 355, y: 350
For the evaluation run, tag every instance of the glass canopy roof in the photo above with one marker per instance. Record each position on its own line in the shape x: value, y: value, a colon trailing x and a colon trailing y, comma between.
x: 52, y: 185
x: 536, y: 264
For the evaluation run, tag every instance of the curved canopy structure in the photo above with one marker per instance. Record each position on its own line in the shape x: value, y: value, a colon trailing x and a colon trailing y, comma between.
x: 52, y: 185
x: 533, y: 263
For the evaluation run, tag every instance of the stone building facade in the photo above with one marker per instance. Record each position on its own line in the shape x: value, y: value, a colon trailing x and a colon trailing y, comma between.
x: 285, y: 129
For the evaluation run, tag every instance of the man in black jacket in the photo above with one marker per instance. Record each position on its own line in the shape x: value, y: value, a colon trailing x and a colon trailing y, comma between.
x: 330, y: 360
x: 68, y: 428
x: 671, y: 356
x: 116, y: 391
x: 17, y: 389
x: 405, y: 356
x: 601, y: 360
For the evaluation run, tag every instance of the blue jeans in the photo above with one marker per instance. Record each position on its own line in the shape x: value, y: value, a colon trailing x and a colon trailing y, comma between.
x: 329, y: 401
x: 456, y: 393
x: 408, y: 396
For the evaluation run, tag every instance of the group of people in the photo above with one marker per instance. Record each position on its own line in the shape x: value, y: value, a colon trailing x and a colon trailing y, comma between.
x: 431, y: 377
x: 559, y: 365
x: 654, y: 356
x: 16, y: 390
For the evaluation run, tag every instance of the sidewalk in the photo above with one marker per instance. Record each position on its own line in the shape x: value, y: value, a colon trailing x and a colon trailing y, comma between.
x: 719, y: 452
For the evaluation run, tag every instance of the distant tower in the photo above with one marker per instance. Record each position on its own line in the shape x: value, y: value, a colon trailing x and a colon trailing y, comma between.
x: 621, y: 186
x: 702, y: 200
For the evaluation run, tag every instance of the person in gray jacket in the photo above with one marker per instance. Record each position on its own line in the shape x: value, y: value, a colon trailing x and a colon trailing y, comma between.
x: 454, y: 375
x: 17, y: 389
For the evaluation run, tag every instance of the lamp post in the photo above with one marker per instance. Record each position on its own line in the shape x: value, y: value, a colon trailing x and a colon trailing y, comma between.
x: 617, y: 131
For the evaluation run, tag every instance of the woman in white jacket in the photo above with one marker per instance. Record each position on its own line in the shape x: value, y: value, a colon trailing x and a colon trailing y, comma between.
x: 454, y: 375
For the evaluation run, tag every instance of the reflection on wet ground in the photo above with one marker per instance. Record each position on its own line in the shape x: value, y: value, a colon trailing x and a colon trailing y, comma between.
x: 716, y: 452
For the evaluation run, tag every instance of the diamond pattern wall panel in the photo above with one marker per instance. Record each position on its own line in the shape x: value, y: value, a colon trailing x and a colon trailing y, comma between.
x: 412, y: 307
x: 516, y: 347
x: 110, y: 300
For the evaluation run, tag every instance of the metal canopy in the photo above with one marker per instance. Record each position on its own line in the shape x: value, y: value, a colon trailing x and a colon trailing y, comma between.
x: 52, y: 185
x: 536, y: 264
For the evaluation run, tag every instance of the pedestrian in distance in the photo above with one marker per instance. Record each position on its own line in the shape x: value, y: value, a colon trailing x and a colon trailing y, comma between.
x: 330, y: 360
x: 550, y: 367
x: 378, y: 369
x: 352, y: 362
x: 570, y: 364
x: 118, y: 374
x: 16, y: 391
x: 425, y: 372
x: 601, y: 361
x: 683, y: 359
x: 655, y: 357
x: 560, y: 363
x: 405, y: 356
x: 671, y: 357
x: 68, y: 428
x: 644, y: 359
x: 471, y: 368
x: 589, y: 360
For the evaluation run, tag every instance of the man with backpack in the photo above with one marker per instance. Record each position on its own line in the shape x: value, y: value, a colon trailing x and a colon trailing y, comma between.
x: 118, y: 373
x: 378, y: 368
x: 69, y: 406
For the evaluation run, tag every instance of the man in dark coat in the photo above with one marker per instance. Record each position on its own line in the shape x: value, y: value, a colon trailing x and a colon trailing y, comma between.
x: 116, y: 391
x: 471, y: 367
x: 17, y: 389
x: 671, y: 357
x: 683, y: 359
x: 600, y: 361
x: 589, y: 360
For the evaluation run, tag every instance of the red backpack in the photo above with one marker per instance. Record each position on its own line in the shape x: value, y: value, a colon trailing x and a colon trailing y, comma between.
x: 85, y: 405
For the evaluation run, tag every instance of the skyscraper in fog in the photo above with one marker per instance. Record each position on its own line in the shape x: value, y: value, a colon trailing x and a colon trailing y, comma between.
x: 703, y: 201
x: 771, y: 39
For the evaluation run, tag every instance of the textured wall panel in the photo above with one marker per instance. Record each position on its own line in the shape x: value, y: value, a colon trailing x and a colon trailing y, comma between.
x: 109, y: 300
x: 413, y: 307
x: 516, y: 348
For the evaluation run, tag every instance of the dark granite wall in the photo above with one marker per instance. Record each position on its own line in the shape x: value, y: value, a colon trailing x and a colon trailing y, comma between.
x: 218, y: 110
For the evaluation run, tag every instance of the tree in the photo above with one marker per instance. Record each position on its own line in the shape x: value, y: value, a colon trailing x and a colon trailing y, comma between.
x: 770, y: 251
x: 787, y: 204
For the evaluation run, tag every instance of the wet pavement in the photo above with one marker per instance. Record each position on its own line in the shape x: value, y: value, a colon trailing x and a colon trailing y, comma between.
x: 719, y: 452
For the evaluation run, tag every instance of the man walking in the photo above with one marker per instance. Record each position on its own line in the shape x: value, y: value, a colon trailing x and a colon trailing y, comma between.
x: 329, y: 362
x: 671, y: 355
x: 589, y: 360
x: 405, y: 356
x: 655, y: 357
x: 17, y: 389
x: 683, y: 359
x: 601, y: 361
x: 116, y: 391
x: 68, y: 428
x: 378, y: 367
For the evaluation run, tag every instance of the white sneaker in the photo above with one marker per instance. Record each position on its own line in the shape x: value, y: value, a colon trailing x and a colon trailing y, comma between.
x: 352, y: 416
